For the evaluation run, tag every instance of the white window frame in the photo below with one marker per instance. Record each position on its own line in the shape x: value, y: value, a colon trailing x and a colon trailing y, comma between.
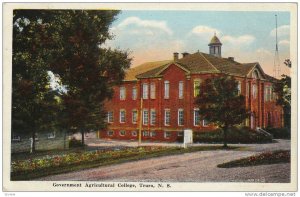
x: 196, y: 86
x: 205, y: 123
x: 167, y: 123
x: 254, y: 91
x: 133, y: 133
x: 180, y: 133
x: 239, y: 88
x: 146, y: 133
x: 152, y: 117
x: 180, y: 89
x: 166, y: 89
x: 110, y: 133
x: 152, y: 90
x: 134, y: 93
x: 122, y: 110
x: 51, y: 135
x: 152, y: 134
x: 120, y: 133
x: 145, y: 119
x: 167, y: 134
x: 145, y: 91
x: 134, y: 117
x: 199, y: 121
x: 110, y: 116
x: 180, y: 113
x: 122, y: 93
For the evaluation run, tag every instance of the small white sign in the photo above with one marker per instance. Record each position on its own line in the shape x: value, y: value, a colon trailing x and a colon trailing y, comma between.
x: 188, y: 137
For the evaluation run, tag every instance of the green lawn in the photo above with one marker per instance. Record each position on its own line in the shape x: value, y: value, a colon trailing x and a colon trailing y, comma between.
x: 51, y: 162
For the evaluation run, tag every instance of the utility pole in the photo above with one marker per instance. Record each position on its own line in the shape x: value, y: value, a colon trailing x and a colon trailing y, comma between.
x: 276, y: 69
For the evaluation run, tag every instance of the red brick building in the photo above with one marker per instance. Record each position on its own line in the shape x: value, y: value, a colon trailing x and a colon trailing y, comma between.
x: 158, y: 97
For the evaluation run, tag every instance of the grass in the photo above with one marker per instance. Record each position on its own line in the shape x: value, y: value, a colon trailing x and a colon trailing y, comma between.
x: 266, y: 158
x: 97, y: 162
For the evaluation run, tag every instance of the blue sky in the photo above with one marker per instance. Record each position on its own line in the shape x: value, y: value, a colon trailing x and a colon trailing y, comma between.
x: 248, y: 36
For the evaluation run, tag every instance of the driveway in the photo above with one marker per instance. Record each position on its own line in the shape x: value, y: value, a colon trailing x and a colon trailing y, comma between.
x: 190, y: 167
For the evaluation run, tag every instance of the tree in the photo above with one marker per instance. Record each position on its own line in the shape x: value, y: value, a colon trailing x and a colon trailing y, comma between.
x: 71, y: 42
x: 88, y: 70
x: 283, y: 91
x: 220, y: 103
x: 288, y: 63
x: 31, y: 91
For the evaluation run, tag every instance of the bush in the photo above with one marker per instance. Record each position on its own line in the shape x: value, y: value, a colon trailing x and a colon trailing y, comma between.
x: 281, y: 133
x: 235, y: 135
x: 73, y: 143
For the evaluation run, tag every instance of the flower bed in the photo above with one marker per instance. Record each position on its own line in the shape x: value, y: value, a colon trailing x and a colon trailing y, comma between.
x: 23, y: 166
x: 281, y: 156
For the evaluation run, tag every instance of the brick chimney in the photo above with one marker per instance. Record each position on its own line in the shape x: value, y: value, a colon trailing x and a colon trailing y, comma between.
x: 231, y: 58
x: 175, y: 55
x: 185, y: 54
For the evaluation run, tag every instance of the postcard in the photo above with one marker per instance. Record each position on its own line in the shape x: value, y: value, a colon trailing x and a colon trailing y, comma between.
x: 150, y: 97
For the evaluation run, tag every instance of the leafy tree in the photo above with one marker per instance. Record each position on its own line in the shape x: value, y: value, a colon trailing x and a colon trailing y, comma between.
x: 32, y: 95
x: 220, y: 103
x: 283, y: 90
x: 69, y: 43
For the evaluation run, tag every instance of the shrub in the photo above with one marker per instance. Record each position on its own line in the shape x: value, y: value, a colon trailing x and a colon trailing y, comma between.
x: 281, y: 133
x: 235, y: 135
x: 73, y: 143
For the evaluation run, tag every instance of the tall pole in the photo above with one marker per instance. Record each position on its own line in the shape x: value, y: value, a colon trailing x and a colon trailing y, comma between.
x: 140, y: 123
x: 276, y: 56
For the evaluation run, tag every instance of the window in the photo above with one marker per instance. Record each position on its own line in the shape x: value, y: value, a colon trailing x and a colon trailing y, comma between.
x: 167, y: 134
x: 145, y: 91
x: 239, y: 88
x: 180, y: 90
x: 16, y: 138
x: 167, y: 117
x: 180, y: 133
x: 145, y: 133
x: 134, y: 93
x: 167, y: 89
x: 110, y: 133
x: 122, y: 116
x: 247, y: 90
x: 268, y: 93
x: 110, y: 116
x: 254, y: 91
x: 51, y: 135
x: 122, y: 93
x: 196, y: 117
x: 152, y: 91
x: 196, y: 87
x: 205, y: 123
x: 134, y: 116
x: 133, y: 133
x: 145, y: 117
x: 180, y: 117
x: 153, y: 117
x: 122, y: 133
x: 152, y: 134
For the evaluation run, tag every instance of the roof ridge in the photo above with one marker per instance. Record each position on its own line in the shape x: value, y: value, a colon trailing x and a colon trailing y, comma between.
x: 208, y: 61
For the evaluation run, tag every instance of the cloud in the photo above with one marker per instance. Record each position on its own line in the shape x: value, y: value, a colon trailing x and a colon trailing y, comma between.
x: 205, y: 31
x: 238, y: 40
x: 139, y: 25
x: 284, y: 43
x: 282, y: 31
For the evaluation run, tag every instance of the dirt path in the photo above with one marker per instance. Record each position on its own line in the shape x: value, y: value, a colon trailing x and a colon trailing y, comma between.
x: 190, y: 167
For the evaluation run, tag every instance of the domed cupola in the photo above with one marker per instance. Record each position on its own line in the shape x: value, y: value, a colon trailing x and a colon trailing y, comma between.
x: 215, y: 46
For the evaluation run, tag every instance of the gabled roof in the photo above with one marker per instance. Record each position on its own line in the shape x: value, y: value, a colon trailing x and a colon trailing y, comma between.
x: 133, y: 72
x: 195, y: 64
